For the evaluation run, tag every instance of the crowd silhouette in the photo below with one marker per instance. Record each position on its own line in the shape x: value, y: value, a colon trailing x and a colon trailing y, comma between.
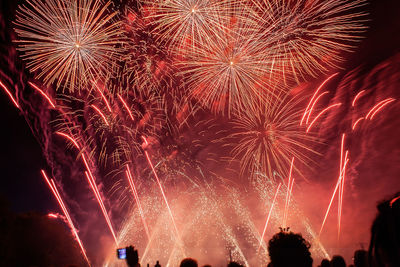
x: 288, y: 249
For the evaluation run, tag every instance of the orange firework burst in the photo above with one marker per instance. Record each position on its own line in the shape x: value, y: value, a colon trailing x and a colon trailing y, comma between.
x: 231, y: 72
x: 308, y: 36
x: 270, y: 136
x: 70, y: 42
x: 183, y: 21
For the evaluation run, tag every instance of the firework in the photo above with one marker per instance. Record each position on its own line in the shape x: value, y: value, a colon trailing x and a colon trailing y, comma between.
x: 52, y: 185
x: 307, y: 37
x: 67, y: 43
x: 270, y: 136
x: 9, y: 94
x: 269, y: 216
x: 186, y: 22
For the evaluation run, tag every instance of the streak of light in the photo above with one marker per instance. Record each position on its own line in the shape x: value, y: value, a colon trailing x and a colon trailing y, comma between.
x: 43, y: 94
x: 162, y: 192
x: 70, y: 139
x: 126, y: 107
x: 10, y: 95
x: 312, y: 107
x: 135, y: 194
x: 355, y: 124
x: 333, y: 195
x: 101, y: 114
x: 52, y: 185
x: 52, y: 215
x: 321, y: 113
x: 377, y: 106
x: 381, y: 107
x: 95, y: 190
x: 102, y: 95
x: 357, y: 97
x: 268, y: 217
x: 287, y: 193
x: 341, y: 197
x: 316, y: 92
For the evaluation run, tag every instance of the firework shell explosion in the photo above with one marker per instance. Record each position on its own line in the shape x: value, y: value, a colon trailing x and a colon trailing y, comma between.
x: 187, y: 127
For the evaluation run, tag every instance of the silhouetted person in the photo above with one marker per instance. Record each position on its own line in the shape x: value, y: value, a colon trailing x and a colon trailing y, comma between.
x: 338, y: 261
x: 188, y: 262
x: 132, y: 257
x: 360, y: 258
x: 384, y: 248
x: 287, y: 249
x: 325, y: 263
x: 157, y: 264
x: 234, y: 264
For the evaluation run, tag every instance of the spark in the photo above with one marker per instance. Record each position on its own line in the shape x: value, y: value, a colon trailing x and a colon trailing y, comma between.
x: 103, y: 96
x: 307, y: 111
x: 377, y: 106
x: 381, y: 107
x: 96, y: 192
x: 357, y: 121
x: 288, y: 193
x: 357, y: 97
x: 135, y: 194
x: 268, y: 217
x: 10, y: 95
x: 334, y: 193
x: 126, y: 107
x: 43, y: 94
x: 322, y: 113
x: 101, y: 114
x: 70, y: 139
x: 162, y: 192
x: 52, y: 185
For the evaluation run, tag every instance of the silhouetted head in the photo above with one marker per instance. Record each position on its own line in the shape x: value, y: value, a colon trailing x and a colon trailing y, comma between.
x: 384, y: 248
x: 325, y: 263
x: 234, y: 264
x: 188, y: 262
x: 287, y: 249
x: 338, y: 261
x: 360, y: 258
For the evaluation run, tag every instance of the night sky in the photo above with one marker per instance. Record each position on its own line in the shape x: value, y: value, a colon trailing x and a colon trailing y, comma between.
x: 21, y: 155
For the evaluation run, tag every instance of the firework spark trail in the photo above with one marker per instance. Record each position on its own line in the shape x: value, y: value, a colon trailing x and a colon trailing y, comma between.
x: 92, y: 184
x: 135, y: 194
x: 377, y: 107
x: 346, y: 158
x: 52, y: 185
x: 10, y: 95
x: 103, y: 96
x: 164, y: 196
x: 288, y: 192
x: 334, y: 193
x: 341, y: 186
x: 322, y: 113
x: 43, y: 94
x: 308, y: 110
x: 357, y: 122
x: 101, y: 114
x: 268, y: 217
x: 126, y: 107
x: 313, y: 105
x: 357, y: 97
x: 96, y: 192
x: 381, y: 107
